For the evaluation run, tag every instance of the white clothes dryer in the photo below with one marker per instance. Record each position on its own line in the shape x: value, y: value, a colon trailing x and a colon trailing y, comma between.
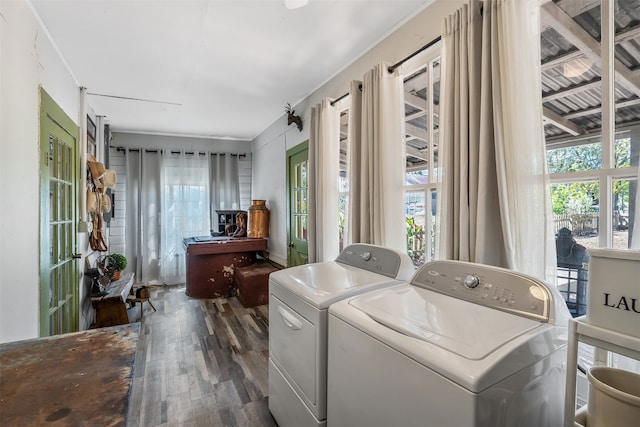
x: 298, y: 301
x: 462, y: 344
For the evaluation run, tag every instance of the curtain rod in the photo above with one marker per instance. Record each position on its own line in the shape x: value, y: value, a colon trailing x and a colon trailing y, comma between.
x: 155, y: 150
x: 338, y: 99
x: 406, y: 58
x: 392, y: 68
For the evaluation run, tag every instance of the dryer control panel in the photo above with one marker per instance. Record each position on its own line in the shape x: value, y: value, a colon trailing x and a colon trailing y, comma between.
x: 490, y: 286
x: 377, y: 259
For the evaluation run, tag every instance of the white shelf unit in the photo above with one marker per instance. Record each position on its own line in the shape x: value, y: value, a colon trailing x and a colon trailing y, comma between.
x: 606, y: 339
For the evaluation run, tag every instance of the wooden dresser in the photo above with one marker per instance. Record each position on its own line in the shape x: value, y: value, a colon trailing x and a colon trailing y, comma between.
x: 211, y: 262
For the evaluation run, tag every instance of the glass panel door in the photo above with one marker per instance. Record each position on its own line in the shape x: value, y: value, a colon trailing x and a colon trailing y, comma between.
x: 298, y: 190
x: 59, y: 280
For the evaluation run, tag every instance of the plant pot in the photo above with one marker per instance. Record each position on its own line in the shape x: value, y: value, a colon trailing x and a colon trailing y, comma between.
x: 116, y: 275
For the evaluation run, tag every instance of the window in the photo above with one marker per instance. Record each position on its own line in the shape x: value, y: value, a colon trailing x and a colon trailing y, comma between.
x: 593, y: 180
x: 593, y: 175
x: 185, y: 209
x: 343, y: 177
x: 421, y: 100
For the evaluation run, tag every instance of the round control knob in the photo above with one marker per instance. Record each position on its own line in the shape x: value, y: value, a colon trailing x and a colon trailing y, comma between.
x: 471, y: 281
x: 365, y: 256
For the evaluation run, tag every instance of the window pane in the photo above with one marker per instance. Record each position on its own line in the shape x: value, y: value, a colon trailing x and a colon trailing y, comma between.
x: 415, y: 112
x: 575, y: 158
x: 576, y: 208
x: 624, y: 193
x: 623, y: 153
x: 343, y: 203
x: 435, y: 117
x: 343, y: 177
x: 303, y: 174
x: 432, y: 224
x: 415, y: 223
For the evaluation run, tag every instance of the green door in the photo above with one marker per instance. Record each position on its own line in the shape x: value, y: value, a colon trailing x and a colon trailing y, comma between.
x: 59, y: 280
x: 297, y: 206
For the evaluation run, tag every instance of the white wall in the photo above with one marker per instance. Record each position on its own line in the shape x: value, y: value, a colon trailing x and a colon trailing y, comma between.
x: 269, y: 148
x: 27, y: 60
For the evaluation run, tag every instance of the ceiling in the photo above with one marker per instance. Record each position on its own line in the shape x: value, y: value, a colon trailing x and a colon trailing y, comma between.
x: 212, y: 68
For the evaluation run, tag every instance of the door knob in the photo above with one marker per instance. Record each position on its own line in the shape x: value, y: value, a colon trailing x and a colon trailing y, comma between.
x: 291, y: 245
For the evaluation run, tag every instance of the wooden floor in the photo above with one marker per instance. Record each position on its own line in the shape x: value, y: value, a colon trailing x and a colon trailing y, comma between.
x: 200, y: 363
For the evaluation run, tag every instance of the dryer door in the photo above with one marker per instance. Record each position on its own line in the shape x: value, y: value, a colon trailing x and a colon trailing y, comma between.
x: 292, y: 346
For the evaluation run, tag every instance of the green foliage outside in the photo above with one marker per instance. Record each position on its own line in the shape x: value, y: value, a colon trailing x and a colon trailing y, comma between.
x: 415, y: 241
x: 342, y: 215
x: 582, y: 198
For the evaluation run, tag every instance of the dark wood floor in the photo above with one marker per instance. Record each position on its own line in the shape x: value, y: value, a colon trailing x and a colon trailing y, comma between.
x: 200, y: 363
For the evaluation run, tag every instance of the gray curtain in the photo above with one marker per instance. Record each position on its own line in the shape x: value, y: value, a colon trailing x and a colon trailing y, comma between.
x: 143, y: 218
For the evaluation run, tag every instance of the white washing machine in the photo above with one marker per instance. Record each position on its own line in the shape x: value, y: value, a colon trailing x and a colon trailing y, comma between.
x: 461, y: 345
x: 298, y: 301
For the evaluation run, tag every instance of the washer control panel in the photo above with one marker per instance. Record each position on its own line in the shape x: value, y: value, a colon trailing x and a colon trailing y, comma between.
x: 375, y: 259
x: 486, y: 285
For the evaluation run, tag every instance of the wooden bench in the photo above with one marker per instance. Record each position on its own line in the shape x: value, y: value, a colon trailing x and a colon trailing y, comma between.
x: 252, y: 283
x: 111, y: 309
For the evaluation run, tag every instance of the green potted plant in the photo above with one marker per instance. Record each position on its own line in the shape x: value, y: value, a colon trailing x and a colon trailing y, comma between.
x: 112, y: 265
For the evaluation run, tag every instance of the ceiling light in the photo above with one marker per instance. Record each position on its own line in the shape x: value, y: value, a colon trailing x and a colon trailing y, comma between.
x: 576, y: 67
x: 294, y: 4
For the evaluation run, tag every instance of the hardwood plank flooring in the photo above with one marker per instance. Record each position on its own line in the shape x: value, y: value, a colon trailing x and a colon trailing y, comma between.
x: 200, y: 362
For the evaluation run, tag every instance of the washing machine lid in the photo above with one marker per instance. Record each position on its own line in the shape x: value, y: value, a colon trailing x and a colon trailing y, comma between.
x: 321, y: 284
x: 468, y: 330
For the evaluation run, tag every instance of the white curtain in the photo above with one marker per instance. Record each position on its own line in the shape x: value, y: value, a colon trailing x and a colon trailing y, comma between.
x: 352, y: 231
x: 494, y: 207
x: 377, y: 160
x: 142, y: 221
x: 185, y: 209
x: 324, y: 158
x: 225, y: 186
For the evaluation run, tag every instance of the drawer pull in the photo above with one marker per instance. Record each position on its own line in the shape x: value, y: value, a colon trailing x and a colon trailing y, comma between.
x: 289, y: 319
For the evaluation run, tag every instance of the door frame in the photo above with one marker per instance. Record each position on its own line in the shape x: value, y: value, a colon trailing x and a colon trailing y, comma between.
x: 304, y: 146
x: 52, y: 113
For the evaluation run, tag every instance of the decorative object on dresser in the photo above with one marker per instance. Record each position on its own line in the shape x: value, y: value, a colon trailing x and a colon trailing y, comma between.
x: 258, y: 227
x: 226, y: 218
x: 241, y: 226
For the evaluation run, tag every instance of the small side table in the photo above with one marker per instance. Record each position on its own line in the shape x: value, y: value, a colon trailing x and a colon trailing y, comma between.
x: 141, y: 295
